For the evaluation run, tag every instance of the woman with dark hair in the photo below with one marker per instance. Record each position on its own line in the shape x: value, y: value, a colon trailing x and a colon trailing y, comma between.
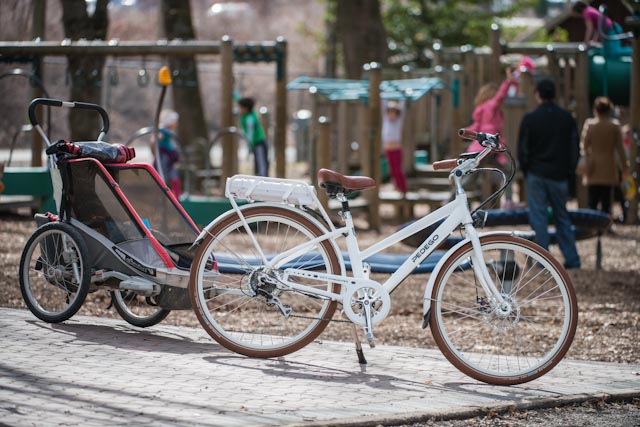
x: 600, y: 141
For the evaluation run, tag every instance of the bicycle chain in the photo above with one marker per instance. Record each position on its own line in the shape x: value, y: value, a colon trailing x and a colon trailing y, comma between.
x: 317, y: 318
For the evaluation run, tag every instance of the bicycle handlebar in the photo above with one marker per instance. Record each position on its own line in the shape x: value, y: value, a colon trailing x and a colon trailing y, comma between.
x: 58, y: 103
x: 485, y: 139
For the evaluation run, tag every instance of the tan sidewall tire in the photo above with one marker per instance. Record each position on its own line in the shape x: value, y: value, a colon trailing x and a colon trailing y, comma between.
x: 334, y: 266
x: 480, y: 376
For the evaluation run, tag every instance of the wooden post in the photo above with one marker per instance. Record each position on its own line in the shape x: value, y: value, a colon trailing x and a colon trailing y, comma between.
x: 229, y: 143
x: 634, y: 114
x: 567, y: 81
x: 496, y: 52
x: 315, y: 113
x: 482, y: 60
x: 343, y: 152
x: 363, y: 139
x: 444, y: 111
x: 436, y: 49
x: 374, y: 142
x: 514, y: 108
x: 420, y: 113
x: 554, y: 70
x: 434, y: 151
x: 528, y: 90
x: 467, y: 84
x: 323, y: 155
x: 581, y: 88
x: 408, y: 138
x: 280, y: 134
x: 38, y: 29
x: 264, y: 115
x: 581, y: 91
x: 457, y: 146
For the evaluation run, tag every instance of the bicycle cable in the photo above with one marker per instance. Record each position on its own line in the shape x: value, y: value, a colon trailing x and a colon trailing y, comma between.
x: 506, y: 181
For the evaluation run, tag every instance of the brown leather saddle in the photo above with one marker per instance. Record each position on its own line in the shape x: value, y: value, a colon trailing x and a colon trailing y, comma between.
x: 335, y: 183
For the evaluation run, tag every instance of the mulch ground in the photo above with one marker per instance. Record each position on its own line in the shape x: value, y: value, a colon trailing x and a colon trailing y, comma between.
x: 608, y: 299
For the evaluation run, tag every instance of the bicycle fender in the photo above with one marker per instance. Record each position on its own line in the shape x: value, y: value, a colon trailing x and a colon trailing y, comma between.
x: 207, y: 230
x: 428, y: 291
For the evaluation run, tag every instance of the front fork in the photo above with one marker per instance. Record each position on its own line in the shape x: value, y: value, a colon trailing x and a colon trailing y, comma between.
x: 480, y: 267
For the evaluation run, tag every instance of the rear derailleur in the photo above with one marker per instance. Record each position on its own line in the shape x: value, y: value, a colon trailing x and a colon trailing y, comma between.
x: 265, y: 287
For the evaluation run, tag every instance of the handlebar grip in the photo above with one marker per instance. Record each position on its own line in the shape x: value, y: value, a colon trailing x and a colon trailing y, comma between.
x: 485, y: 139
x: 468, y: 134
x: 445, y: 164
x: 58, y: 103
x: 41, y: 101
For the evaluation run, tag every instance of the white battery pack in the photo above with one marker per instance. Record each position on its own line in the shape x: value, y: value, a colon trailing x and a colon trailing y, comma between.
x: 258, y: 188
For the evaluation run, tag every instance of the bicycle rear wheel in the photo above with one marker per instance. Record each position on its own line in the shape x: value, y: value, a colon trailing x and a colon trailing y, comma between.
x: 510, y: 344
x: 244, y: 307
x: 54, y: 272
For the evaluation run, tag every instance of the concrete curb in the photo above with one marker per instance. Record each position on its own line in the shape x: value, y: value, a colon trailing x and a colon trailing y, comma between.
x: 464, y: 414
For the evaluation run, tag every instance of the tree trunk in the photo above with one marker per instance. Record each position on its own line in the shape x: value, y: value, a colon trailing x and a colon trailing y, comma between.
x: 331, y: 41
x: 361, y: 32
x: 192, y: 129
x: 85, y: 71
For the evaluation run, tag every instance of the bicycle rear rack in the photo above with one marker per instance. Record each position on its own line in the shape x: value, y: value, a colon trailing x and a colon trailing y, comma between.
x: 257, y: 188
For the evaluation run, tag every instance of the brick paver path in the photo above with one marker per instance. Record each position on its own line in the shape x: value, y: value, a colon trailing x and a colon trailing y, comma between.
x: 101, y: 372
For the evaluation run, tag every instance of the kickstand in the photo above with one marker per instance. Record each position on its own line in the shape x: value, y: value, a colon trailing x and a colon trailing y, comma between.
x: 359, y: 351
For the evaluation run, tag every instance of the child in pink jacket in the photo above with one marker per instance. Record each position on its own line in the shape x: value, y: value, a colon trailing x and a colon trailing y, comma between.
x: 488, y: 118
x: 487, y: 115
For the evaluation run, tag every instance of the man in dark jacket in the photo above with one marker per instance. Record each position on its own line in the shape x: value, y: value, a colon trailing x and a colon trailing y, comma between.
x: 548, y: 151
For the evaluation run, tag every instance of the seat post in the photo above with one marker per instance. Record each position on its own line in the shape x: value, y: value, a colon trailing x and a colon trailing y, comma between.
x: 353, y: 249
x: 345, y: 204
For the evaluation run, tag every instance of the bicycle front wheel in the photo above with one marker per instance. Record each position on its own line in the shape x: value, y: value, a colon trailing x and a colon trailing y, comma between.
x: 245, y: 306
x: 509, y: 343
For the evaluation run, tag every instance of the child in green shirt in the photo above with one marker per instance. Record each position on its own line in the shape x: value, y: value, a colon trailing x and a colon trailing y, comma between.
x: 255, y: 135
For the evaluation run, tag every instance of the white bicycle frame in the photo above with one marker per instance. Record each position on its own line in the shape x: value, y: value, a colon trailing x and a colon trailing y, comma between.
x: 454, y: 214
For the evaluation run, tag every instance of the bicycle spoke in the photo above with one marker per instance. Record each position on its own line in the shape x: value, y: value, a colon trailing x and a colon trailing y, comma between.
x: 271, y: 317
x: 510, y: 342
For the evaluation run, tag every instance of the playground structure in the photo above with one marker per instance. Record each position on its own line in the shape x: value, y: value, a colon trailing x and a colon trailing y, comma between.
x: 580, y: 74
x: 228, y: 51
x: 349, y: 99
x: 461, y: 70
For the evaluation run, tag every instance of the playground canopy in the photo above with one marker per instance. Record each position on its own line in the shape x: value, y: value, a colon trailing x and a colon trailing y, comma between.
x: 358, y: 90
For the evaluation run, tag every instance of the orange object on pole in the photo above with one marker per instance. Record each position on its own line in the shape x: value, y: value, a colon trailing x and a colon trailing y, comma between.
x: 164, y: 76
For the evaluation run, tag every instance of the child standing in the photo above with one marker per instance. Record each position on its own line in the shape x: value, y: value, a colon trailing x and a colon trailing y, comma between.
x: 255, y: 135
x: 168, y: 152
x: 392, y: 143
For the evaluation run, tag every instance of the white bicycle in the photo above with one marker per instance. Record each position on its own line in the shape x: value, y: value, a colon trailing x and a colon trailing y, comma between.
x: 501, y: 308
